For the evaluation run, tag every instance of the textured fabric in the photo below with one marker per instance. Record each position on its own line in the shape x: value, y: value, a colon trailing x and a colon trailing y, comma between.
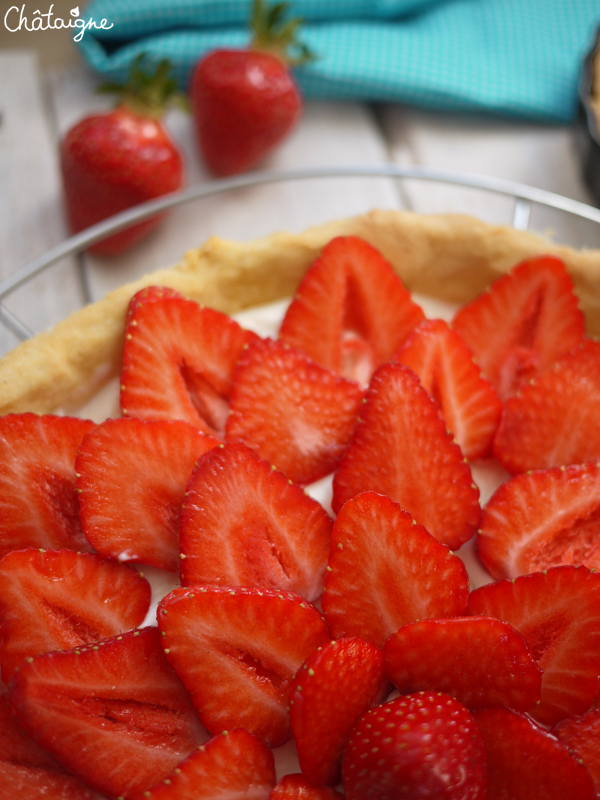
x: 518, y: 58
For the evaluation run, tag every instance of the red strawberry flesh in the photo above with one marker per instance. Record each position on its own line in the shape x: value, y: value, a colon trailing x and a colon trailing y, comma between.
x: 351, y: 669
x: 542, y: 519
x: 525, y: 761
x: 27, y: 771
x: 59, y: 599
x: 468, y: 403
x: 480, y: 661
x: 557, y: 612
x: 553, y: 419
x: 351, y: 312
x: 385, y: 571
x: 237, y: 650
x: 132, y: 476
x: 295, y: 413
x: 233, y: 765
x: 245, y: 524
x: 115, y: 714
x: 581, y: 736
x: 296, y: 787
x: 38, y: 502
x: 523, y: 323
x: 178, y: 363
x: 400, y: 448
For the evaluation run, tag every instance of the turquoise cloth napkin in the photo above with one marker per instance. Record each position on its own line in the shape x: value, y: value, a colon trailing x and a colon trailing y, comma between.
x: 518, y: 58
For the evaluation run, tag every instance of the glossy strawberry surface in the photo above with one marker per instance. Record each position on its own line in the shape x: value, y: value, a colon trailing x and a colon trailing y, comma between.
x: 245, y: 102
x: 423, y: 745
x: 111, y: 162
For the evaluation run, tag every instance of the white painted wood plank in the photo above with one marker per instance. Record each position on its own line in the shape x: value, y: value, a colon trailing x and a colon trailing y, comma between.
x: 328, y: 134
x: 538, y: 155
x: 31, y: 218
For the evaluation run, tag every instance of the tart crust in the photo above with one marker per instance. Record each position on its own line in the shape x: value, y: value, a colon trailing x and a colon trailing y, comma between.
x: 450, y: 257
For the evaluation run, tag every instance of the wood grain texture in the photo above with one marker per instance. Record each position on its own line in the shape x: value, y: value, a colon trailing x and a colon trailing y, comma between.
x: 31, y: 216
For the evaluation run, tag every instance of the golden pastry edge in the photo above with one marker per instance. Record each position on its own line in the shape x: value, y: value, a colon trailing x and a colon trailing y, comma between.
x: 448, y: 256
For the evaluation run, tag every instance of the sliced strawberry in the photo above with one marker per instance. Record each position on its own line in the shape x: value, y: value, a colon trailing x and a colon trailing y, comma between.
x: 27, y: 771
x: 245, y: 524
x: 233, y: 765
x: 422, y: 745
x: 296, y: 787
x: 554, y: 419
x: 131, y: 476
x: 384, y: 571
x: 480, y: 661
x: 115, y: 713
x: 295, y: 413
x: 467, y: 402
x: 523, y: 323
x: 525, y: 762
x: 542, y: 519
x: 59, y: 599
x: 351, y: 311
x: 558, y: 614
x: 401, y: 448
x: 149, y: 294
x: 178, y: 362
x: 38, y: 501
x: 581, y: 736
x: 348, y: 668
x: 237, y: 650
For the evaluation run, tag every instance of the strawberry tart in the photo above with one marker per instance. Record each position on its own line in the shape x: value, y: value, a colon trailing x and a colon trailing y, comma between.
x: 309, y: 517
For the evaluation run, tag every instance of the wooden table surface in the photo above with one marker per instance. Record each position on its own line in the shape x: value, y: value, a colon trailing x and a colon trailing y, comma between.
x: 37, y: 107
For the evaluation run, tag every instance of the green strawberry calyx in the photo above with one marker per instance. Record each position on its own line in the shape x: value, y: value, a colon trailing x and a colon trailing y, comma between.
x: 147, y: 92
x: 272, y: 33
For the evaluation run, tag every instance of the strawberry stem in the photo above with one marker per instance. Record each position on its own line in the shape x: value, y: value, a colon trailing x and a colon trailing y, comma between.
x: 276, y: 35
x: 146, y: 92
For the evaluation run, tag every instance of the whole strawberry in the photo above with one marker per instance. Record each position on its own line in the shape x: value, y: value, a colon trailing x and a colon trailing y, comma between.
x: 245, y: 101
x: 116, y: 160
x: 422, y: 745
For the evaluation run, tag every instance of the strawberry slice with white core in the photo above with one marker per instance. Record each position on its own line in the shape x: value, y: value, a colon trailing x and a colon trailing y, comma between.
x: 295, y: 413
x: 468, y: 403
x: 351, y: 669
x: 553, y: 421
x: 237, y: 650
x: 38, y: 502
x: 542, y: 519
x: 59, y: 599
x: 351, y: 311
x: 131, y: 478
x: 557, y: 612
x: 231, y: 766
x: 178, y: 362
x: 114, y: 713
x: 525, y: 761
x: 581, y: 736
x: 523, y: 323
x: 480, y: 661
x: 384, y: 571
x: 244, y: 523
x: 423, y: 745
x: 401, y: 448
x: 296, y: 787
x: 27, y: 771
